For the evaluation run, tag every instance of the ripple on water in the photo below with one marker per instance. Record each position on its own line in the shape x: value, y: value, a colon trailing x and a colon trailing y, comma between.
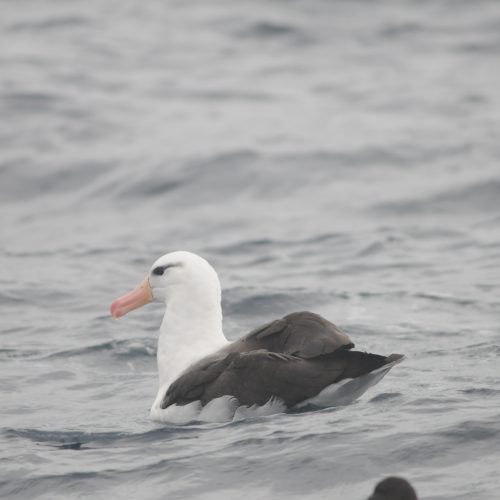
x: 123, y: 349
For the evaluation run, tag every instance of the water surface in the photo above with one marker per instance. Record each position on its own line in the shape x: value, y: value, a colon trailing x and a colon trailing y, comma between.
x: 341, y: 157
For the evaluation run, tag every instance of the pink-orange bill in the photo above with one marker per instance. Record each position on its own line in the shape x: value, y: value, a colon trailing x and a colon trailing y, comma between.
x: 136, y: 298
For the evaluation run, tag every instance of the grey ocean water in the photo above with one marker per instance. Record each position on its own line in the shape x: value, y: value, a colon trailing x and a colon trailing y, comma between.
x: 337, y: 156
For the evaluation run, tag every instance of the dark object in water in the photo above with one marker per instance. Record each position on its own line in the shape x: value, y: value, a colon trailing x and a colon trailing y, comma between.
x: 393, y: 488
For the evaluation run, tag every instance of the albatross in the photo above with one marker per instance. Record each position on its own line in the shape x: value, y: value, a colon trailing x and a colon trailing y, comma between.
x: 296, y: 361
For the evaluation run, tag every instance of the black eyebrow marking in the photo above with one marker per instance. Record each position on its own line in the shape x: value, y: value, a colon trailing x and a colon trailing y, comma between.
x: 159, y: 270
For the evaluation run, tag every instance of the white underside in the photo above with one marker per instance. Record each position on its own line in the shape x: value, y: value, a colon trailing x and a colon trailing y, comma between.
x: 223, y: 409
x: 227, y: 408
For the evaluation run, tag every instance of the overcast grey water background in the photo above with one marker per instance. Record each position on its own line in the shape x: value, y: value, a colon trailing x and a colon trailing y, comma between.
x: 336, y: 156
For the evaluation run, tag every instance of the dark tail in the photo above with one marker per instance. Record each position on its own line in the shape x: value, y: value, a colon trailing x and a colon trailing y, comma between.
x: 359, y: 363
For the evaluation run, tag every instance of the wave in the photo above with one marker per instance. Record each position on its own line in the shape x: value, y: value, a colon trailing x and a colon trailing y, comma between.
x: 479, y: 197
x: 56, y: 22
x: 7, y: 353
x: 69, y: 439
x: 127, y: 349
x: 263, y: 31
x: 238, y: 301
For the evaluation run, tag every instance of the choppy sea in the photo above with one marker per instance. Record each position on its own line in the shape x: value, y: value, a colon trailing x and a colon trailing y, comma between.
x: 336, y: 156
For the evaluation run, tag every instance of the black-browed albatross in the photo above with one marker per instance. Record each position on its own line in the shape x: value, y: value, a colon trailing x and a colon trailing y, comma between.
x: 291, y: 362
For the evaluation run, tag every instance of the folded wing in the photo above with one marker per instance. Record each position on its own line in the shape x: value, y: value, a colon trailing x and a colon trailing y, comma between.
x: 292, y: 359
x: 303, y: 334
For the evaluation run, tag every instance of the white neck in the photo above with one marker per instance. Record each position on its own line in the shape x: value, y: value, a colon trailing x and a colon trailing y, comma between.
x: 191, y: 329
x: 192, y: 325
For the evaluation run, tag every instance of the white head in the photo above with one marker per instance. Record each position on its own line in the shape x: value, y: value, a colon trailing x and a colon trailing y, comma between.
x: 192, y: 325
x: 175, y: 278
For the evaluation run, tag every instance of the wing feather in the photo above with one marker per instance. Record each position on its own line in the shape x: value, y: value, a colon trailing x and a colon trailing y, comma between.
x: 304, y: 334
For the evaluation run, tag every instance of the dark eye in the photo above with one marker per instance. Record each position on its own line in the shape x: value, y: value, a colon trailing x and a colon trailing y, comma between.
x: 159, y: 270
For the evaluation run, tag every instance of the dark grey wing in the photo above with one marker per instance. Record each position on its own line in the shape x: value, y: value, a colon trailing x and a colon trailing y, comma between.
x: 191, y: 385
x: 257, y: 376
x: 303, y: 334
